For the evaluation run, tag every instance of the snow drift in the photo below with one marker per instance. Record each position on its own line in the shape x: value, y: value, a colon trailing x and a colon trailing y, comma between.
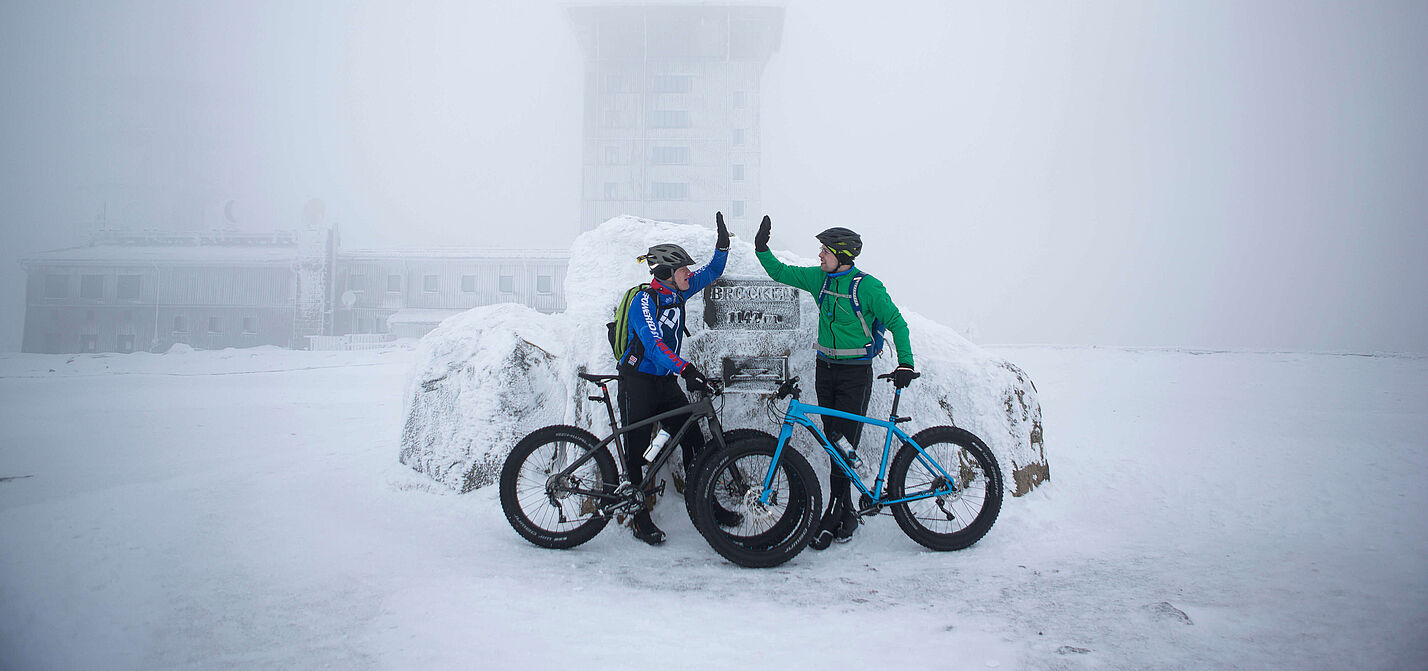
x: 488, y: 376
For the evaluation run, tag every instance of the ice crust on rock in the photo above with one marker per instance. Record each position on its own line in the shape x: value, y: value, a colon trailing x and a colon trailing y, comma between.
x: 487, y: 377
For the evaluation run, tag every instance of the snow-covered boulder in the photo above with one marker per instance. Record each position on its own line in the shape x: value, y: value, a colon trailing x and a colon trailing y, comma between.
x: 487, y: 377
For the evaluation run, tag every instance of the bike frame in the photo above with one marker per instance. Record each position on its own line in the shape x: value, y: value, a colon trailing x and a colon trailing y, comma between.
x: 798, y: 413
x: 701, y: 409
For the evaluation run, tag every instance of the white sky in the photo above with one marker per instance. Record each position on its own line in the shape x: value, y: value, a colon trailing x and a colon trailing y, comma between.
x: 1210, y: 174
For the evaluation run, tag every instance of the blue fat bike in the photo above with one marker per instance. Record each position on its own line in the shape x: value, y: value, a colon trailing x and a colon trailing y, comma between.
x: 943, y: 485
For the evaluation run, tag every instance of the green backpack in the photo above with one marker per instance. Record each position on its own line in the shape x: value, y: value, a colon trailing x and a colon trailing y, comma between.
x: 620, y: 328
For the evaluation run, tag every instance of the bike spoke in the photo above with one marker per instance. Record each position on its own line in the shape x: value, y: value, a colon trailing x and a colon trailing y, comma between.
x: 537, y: 504
x: 964, y: 505
x: 730, y: 493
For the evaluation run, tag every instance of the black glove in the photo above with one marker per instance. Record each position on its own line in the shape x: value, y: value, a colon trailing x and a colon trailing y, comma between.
x: 902, y: 376
x: 694, y: 380
x: 761, y: 239
x: 723, y: 242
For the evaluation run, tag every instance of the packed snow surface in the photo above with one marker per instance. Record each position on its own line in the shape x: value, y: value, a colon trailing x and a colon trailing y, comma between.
x: 245, y: 509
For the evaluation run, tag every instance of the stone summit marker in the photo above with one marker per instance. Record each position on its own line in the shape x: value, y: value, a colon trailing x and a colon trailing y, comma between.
x: 749, y: 304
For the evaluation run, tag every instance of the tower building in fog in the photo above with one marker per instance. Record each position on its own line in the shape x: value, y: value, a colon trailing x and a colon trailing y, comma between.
x: 671, y: 120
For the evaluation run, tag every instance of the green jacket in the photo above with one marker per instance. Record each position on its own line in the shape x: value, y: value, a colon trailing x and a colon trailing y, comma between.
x: 842, y: 330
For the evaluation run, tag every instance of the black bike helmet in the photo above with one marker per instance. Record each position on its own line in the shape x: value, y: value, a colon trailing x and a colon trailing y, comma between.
x: 842, y: 242
x: 664, y: 259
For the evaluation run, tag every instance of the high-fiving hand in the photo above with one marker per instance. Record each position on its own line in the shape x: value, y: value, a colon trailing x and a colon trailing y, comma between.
x: 761, y: 239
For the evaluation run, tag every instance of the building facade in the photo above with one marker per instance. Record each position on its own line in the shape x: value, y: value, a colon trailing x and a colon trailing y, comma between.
x: 671, y: 114
x: 409, y: 293
x: 146, y: 292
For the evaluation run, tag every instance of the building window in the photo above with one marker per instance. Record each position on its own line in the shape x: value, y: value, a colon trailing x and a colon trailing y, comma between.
x: 180, y: 324
x: 669, y: 191
x: 613, y: 119
x: 394, y: 283
x: 53, y: 344
x: 614, y: 82
x: 215, y: 325
x: 612, y: 155
x: 54, y: 316
x: 737, y: 172
x: 672, y: 84
x: 543, y: 284
x: 669, y: 119
x: 612, y: 191
x: 468, y: 283
x: 56, y: 286
x: 740, y: 99
x: 127, y: 316
x: 91, y: 287
x: 431, y: 283
x: 508, y: 284
x: 671, y: 156
x: 89, y: 315
x: 250, y: 325
x: 128, y: 288
x: 89, y: 343
x: 125, y: 343
x: 738, y: 208
x: 357, y: 282
x: 363, y: 325
x: 738, y: 137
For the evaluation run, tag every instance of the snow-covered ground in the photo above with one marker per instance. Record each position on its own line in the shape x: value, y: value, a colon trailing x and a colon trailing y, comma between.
x: 245, y: 509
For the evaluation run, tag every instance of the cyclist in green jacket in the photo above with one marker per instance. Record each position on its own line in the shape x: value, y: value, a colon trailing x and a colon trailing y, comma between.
x: 853, y: 310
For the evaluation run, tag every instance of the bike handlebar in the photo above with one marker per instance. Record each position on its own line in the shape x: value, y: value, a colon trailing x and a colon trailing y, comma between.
x: 789, y: 387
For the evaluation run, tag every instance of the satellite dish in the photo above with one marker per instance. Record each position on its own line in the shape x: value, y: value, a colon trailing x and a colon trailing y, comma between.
x: 349, y: 298
x: 228, y: 207
x: 313, y: 212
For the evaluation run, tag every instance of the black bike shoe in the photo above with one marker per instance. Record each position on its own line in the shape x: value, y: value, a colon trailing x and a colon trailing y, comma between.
x: 828, y: 527
x: 645, y: 529
x: 726, y: 517
x: 845, y: 530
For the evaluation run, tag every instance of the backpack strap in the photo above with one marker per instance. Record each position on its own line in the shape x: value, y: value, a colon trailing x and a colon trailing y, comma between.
x: 852, y: 297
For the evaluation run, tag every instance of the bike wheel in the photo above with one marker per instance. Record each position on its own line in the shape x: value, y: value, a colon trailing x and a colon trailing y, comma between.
x: 547, y: 513
x: 701, y: 460
x: 769, y: 535
x: 954, y: 521
x: 730, y: 491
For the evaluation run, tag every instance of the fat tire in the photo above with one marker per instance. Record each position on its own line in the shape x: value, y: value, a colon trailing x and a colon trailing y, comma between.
x: 701, y: 460
x: 991, y: 486
x: 528, y: 529
x: 793, y: 530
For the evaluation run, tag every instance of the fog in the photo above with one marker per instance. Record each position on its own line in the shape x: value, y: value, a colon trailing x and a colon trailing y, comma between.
x: 1180, y: 174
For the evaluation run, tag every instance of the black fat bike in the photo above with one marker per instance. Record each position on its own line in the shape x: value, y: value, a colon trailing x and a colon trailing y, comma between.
x: 560, y: 485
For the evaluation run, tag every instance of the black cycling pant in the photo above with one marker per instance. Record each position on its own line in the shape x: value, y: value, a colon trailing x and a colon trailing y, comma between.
x: 643, y: 396
x: 845, y: 387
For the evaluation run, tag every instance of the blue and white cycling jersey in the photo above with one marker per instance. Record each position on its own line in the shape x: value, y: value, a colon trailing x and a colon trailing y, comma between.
x: 660, y: 328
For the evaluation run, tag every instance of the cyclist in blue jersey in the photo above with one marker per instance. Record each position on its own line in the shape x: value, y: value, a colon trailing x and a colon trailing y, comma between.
x: 649, y: 365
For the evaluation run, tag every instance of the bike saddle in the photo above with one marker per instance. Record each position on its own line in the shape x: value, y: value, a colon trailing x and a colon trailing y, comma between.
x: 597, y: 379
